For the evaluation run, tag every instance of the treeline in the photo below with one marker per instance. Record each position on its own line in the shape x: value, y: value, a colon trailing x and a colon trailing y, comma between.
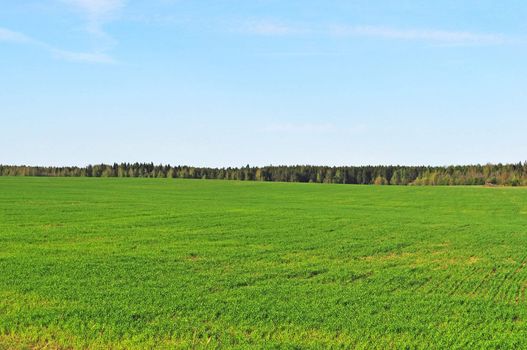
x: 489, y: 174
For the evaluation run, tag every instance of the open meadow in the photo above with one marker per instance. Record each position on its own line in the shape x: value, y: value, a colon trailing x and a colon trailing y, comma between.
x: 169, y: 263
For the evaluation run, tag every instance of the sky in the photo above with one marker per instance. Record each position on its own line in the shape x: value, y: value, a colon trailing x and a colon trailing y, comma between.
x: 261, y: 82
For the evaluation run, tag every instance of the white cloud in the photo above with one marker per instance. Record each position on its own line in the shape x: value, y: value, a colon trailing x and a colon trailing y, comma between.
x: 313, y: 128
x: 96, y: 12
x: 7, y: 35
x: 270, y: 28
x: 97, y: 9
x: 86, y: 57
x: 301, y: 127
x: 436, y: 36
x: 11, y: 36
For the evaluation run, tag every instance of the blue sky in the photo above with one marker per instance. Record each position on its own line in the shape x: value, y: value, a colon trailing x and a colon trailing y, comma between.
x: 229, y: 83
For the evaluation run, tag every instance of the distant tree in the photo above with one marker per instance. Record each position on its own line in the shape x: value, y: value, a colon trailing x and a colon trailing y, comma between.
x: 380, y: 180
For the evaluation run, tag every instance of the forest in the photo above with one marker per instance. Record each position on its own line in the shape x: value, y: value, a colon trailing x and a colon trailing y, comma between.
x: 489, y: 174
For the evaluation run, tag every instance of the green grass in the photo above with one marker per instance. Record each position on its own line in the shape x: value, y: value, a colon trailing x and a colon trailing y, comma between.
x: 156, y: 263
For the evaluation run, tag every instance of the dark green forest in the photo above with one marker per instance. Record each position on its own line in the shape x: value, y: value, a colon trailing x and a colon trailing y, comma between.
x: 489, y: 174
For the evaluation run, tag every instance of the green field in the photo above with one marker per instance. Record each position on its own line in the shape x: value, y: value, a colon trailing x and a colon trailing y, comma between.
x: 157, y: 263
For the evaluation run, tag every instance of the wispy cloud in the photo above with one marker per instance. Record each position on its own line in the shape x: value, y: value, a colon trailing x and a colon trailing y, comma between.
x: 434, y: 36
x: 97, y: 8
x: 300, y: 127
x: 15, y: 37
x: 96, y: 13
x: 312, y: 128
x: 270, y: 28
x: 10, y: 36
x: 83, y: 57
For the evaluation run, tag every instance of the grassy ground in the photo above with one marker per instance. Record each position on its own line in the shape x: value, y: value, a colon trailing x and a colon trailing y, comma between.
x: 146, y: 263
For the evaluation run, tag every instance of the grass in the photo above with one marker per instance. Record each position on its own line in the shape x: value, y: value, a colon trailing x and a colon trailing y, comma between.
x: 156, y: 263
